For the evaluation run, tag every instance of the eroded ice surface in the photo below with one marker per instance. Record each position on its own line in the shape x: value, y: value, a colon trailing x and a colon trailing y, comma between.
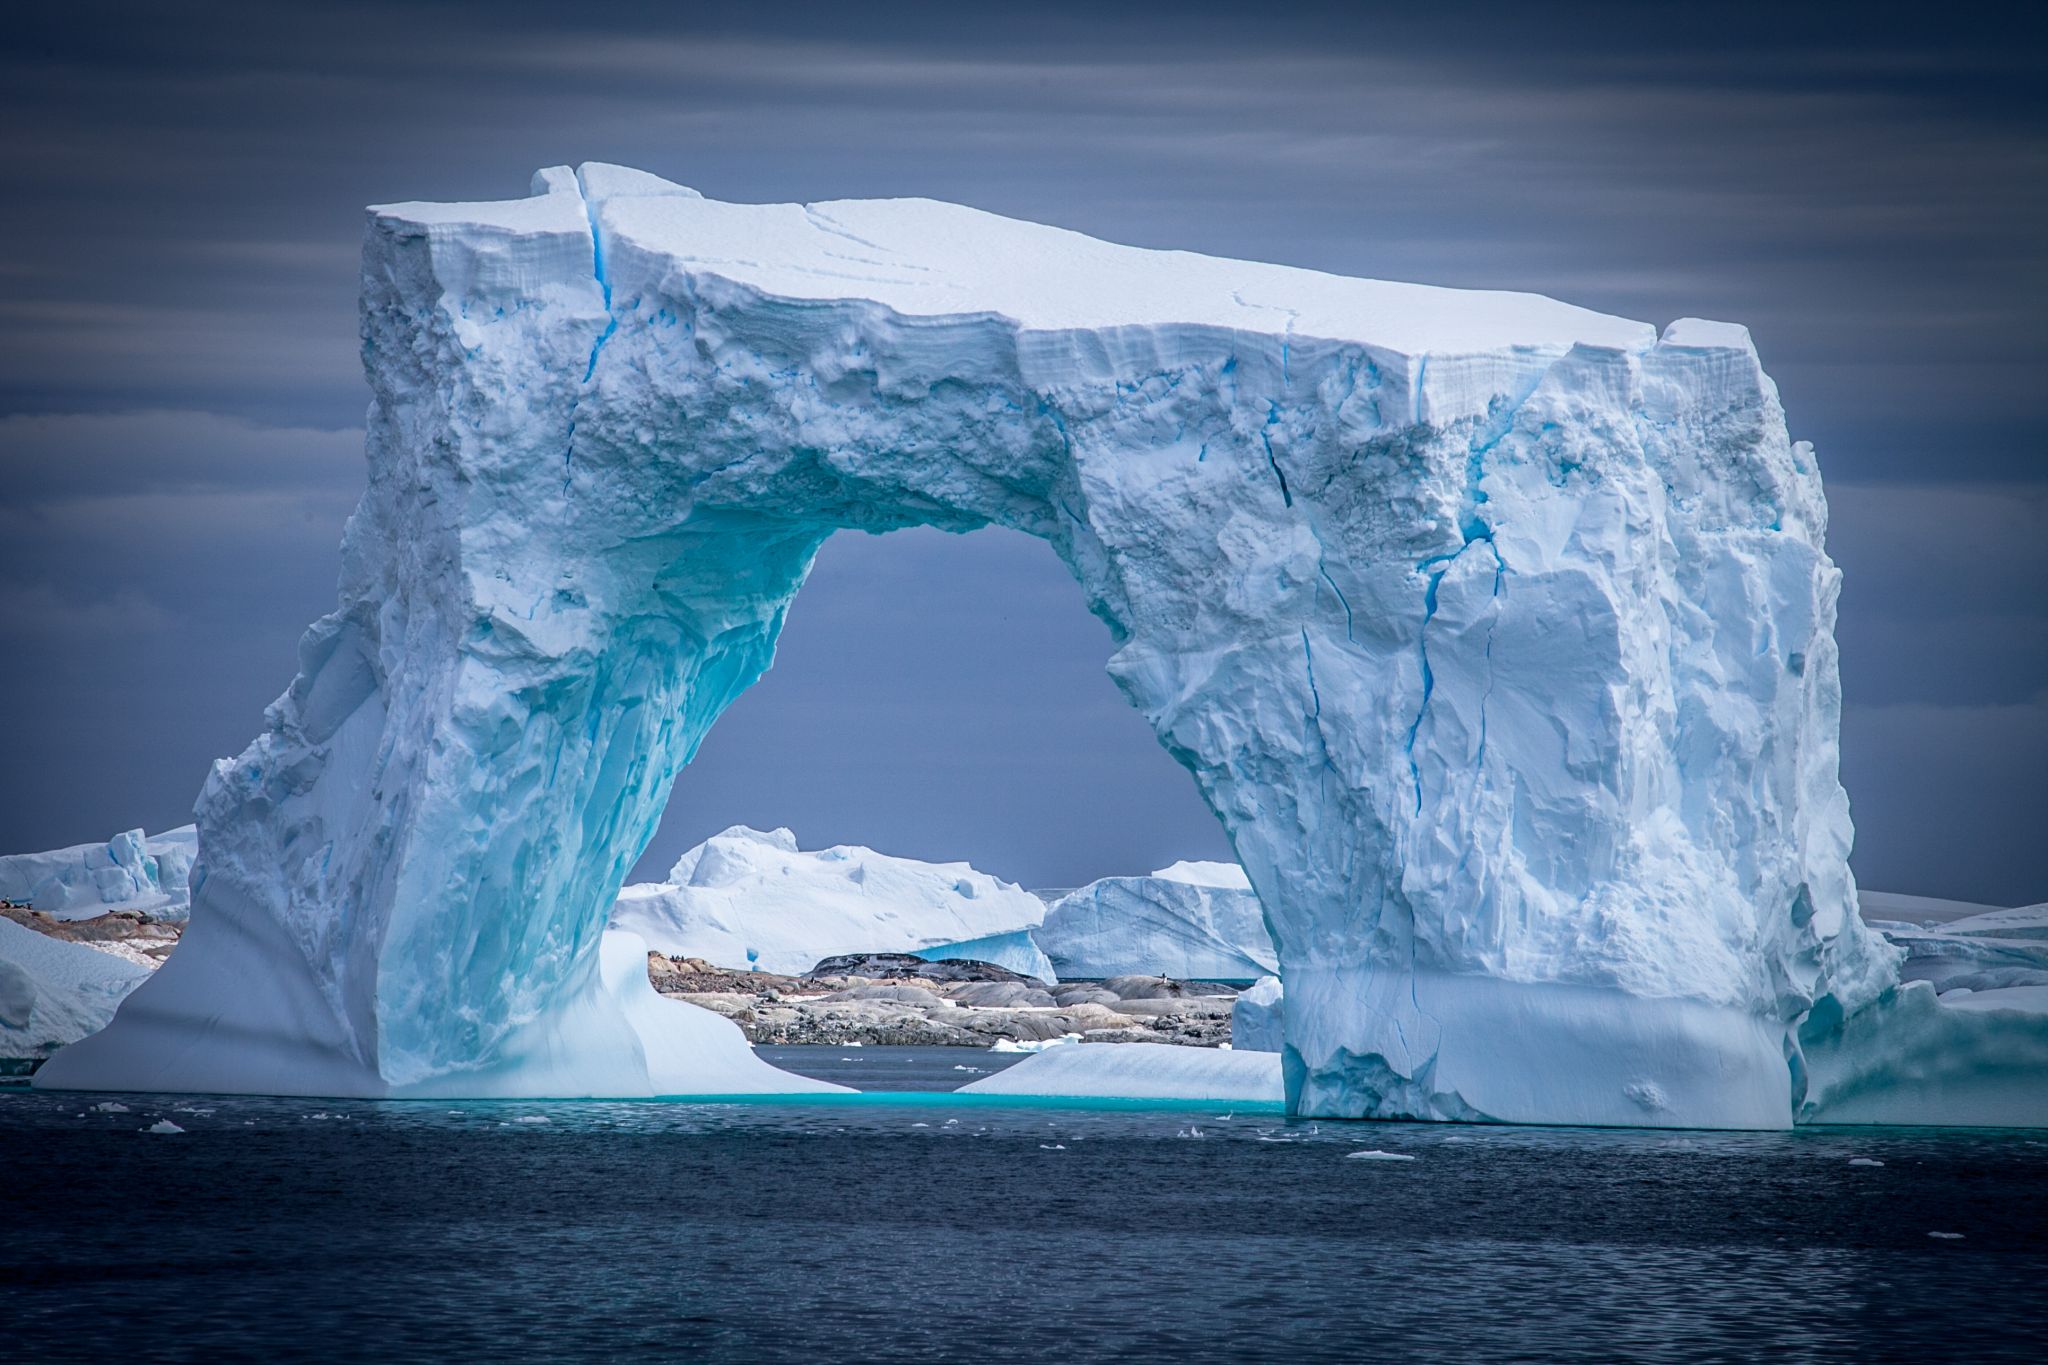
x: 1498, y: 633
x: 1195, y: 921
x: 748, y: 899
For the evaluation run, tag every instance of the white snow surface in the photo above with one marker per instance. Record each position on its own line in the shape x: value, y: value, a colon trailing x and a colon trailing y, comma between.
x: 53, y: 992
x: 1187, y: 921
x: 1206, y: 874
x: 748, y: 899
x: 131, y: 871
x: 1498, y: 634
x: 1140, y: 1071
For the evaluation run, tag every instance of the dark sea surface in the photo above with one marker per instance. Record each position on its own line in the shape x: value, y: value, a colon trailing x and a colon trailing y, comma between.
x: 924, y: 1226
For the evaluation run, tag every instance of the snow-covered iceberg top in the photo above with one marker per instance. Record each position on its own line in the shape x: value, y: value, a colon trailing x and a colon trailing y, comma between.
x: 1228, y: 875
x: 749, y: 899
x: 1497, y: 632
x: 1195, y: 921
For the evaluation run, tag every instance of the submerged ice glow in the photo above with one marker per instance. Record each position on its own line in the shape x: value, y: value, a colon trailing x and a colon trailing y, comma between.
x: 1497, y: 632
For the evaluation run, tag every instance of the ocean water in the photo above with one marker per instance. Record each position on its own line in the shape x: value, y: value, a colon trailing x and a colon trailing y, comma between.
x: 925, y: 1226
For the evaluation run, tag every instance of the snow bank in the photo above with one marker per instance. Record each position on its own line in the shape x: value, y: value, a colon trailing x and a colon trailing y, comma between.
x: 53, y: 993
x: 1194, y: 921
x: 130, y: 871
x: 747, y: 899
x: 1140, y: 1071
x: 1497, y: 632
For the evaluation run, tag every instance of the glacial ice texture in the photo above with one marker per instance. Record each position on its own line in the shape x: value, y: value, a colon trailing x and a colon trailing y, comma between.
x: 1498, y: 634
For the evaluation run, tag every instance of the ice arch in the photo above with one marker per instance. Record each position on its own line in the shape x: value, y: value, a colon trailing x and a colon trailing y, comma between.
x: 1498, y: 633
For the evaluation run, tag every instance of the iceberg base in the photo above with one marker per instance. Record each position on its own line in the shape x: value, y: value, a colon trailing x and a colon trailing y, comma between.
x: 1965, y: 1059
x: 1376, y: 1044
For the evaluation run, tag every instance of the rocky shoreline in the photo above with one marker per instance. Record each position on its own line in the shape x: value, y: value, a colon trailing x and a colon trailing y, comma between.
x: 892, y: 1000
x: 882, y: 999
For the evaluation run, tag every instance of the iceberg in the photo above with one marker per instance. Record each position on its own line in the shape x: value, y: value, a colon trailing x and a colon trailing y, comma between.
x: 1194, y: 921
x: 53, y: 992
x: 131, y: 871
x: 1498, y: 634
x: 1256, y: 1023
x: 1140, y: 1071
x: 748, y: 899
x: 1990, y: 950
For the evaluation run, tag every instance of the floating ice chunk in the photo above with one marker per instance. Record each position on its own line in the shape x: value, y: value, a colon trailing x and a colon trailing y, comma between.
x: 1027, y: 1045
x: 1153, y: 1071
x: 161, y: 1126
x: 1376, y: 1155
x: 110, y: 1107
x: 1864, y: 1161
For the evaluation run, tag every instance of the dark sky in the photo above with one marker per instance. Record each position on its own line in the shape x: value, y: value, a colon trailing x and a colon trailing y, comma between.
x: 181, y: 402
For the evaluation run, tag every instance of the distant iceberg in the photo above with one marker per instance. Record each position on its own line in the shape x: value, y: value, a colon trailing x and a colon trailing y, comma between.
x: 131, y: 871
x: 745, y: 898
x: 1195, y: 921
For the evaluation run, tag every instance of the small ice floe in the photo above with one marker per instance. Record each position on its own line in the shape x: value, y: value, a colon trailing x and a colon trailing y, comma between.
x: 1947, y: 1236
x: 323, y: 1114
x: 1032, y: 1044
x: 920, y: 1125
x: 1223, y: 1118
x: 975, y: 1069
x: 110, y: 1107
x: 1864, y: 1161
x: 854, y: 1045
x: 950, y: 1122
x: 1190, y: 1133
x: 1375, y: 1154
x: 166, y: 1126
x: 531, y: 1118
x: 1052, y: 1146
